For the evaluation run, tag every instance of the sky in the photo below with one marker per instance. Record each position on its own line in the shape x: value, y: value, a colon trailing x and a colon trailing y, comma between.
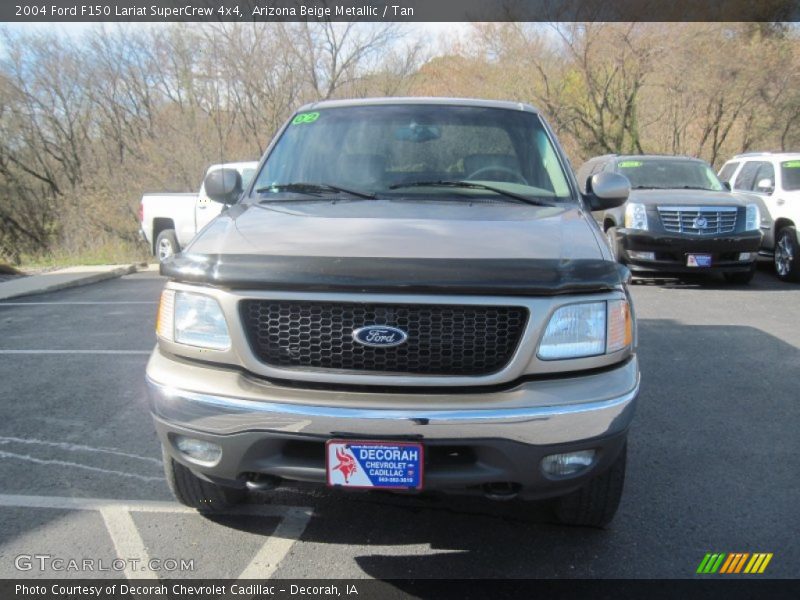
x: 76, y: 29
x: 433, y: 35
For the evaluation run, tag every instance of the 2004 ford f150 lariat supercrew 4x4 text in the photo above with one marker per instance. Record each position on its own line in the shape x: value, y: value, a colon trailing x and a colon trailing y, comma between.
x: 411, y: 294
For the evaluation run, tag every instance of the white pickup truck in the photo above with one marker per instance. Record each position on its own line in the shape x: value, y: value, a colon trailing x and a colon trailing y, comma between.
x: 170, y: 221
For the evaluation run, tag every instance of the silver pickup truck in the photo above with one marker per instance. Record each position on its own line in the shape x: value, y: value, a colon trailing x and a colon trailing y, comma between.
x: 168, y: 222
x: 410, y: 294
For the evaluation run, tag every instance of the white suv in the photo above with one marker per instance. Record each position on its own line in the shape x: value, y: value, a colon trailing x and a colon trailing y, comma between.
x: 775, y: 177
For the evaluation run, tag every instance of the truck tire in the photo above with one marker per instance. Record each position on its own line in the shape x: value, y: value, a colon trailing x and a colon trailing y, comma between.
x: 197, y: 493
x: 741, y: 278
x: 595, y: 504
x: 787, y: 261
x: 166, y: 244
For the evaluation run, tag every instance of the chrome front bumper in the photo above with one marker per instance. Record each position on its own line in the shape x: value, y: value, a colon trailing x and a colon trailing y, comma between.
x: 223, y: 401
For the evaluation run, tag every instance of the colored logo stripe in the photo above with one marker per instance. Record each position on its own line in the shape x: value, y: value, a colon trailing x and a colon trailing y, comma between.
x: 734, y: 562
x: 758, y: 563
x: 710, y: 563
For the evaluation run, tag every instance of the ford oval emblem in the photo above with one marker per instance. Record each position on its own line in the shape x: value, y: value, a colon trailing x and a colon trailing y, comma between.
x: 379, y: 336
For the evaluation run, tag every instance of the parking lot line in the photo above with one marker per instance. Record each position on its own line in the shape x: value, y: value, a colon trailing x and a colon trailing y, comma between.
x: 66, y: 463
x: 128, y: 543
x: 297, y: 513
x: 116, y: 352
x: 61, y: 502
x: 126, y: 539
x: 70, y: 447
x: 275, y: 549
x: 68, y: 303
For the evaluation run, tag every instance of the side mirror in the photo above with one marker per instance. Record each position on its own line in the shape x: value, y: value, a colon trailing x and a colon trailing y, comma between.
x: 727, y: 185
x: 765, y: 185
x: 223, y: 185
x: 607, y: 190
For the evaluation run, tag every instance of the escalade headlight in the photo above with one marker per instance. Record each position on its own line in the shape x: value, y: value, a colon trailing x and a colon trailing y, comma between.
x: 635, y: 216
x: 753, y: 218
x: 588, y: 329
x: 192, y: 319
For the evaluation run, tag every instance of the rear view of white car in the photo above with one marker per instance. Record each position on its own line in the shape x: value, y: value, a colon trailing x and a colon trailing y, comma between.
x: 170, y: 221
x: 775, y: 178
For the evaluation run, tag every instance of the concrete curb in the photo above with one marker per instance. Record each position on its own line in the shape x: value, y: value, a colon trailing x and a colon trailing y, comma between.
x: 61, y: 280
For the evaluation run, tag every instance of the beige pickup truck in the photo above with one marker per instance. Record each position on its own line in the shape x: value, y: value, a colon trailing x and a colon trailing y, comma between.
x: 410, y: 294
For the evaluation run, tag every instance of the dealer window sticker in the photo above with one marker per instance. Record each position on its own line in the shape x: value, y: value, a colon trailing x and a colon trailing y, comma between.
x: 629, y: 164
x: 304, y: 118
x: 792, y: 164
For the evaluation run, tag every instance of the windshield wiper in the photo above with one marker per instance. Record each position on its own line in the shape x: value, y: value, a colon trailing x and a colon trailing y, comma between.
x: 648, y: 187
x: 313, y: 188
x: 474, y: 186
x: 697, y: 187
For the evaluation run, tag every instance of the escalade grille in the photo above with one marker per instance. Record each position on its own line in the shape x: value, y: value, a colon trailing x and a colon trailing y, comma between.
x: 442, y: 339
x: 698, y: 220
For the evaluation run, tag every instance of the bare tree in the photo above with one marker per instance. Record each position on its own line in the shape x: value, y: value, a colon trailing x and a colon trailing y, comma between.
x: 87, y: 125
x: 335, y: 55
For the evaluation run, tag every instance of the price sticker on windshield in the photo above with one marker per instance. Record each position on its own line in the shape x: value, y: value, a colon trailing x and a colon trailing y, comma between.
x: 629, y: 164
x: 304, y: 118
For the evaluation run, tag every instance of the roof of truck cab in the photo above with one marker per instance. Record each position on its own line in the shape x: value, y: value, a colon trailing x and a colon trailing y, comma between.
x: 476, y: 102
x: 655, y: 157
x: 778, y: 155
x: 238, y: 165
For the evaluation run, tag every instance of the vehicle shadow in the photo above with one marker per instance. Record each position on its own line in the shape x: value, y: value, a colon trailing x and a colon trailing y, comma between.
x: 438, y: 536
x: 765, y: 280
x: 713, y: 401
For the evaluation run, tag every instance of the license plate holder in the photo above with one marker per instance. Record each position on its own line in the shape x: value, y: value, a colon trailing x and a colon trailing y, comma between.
x: 374, y: 464
x: 698, y: 260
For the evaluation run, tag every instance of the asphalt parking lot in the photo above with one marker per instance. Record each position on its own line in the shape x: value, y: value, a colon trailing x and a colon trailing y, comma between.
x: 713, y: 460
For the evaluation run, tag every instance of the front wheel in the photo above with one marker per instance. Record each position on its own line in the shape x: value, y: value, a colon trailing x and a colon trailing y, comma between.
x: 595, y: 504
x: 198, y: 493
x: 786, y: 247
x: 166, y: 244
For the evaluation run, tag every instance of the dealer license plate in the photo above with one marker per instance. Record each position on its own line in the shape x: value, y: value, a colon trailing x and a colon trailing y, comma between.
x: 373, y: 464
x: 698, y: 260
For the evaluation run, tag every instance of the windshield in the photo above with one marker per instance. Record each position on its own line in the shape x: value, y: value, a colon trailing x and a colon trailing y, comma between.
x: 669, y: 174
x: 381, y: 149
x: 790, y: 173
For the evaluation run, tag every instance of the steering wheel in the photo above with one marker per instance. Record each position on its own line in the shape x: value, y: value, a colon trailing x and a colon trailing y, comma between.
x: 498, y: 168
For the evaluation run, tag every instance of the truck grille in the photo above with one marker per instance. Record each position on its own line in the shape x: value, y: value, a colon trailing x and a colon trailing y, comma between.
x: 699, y: 220
x: 442, y: 339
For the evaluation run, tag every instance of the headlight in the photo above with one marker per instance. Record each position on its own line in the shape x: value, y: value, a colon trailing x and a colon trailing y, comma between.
x: 192, y: 319
x: 635, y: 216
x: 753, y: 220
x: 590, y: 329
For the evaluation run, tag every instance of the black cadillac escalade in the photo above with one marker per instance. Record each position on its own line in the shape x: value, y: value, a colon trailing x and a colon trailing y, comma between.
x: 679, y: 218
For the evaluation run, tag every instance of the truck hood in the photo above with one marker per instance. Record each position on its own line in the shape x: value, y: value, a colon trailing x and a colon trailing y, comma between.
x: 400, y: 229
x: 686, y: 198
x: 383, y: 246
